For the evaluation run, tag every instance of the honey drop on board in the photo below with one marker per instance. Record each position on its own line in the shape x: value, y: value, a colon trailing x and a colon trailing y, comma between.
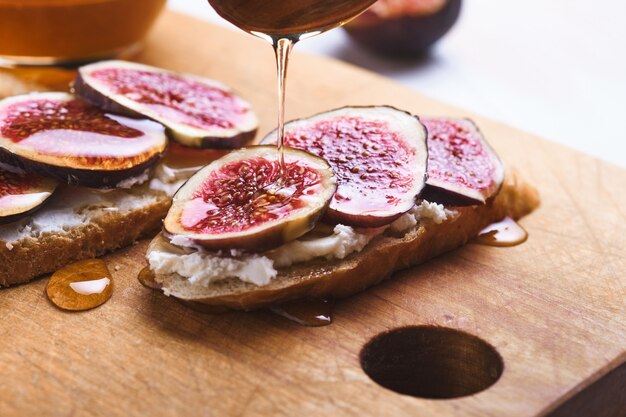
x: 503, y: 233
x: 80, y: 286
x: 307, y: 312
x: 146, y: 278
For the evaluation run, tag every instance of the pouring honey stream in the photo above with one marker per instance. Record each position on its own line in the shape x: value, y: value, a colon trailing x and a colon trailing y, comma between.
x: 283, y: 23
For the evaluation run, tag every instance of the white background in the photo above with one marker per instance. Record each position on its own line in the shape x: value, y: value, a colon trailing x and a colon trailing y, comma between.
x: 556, y: 68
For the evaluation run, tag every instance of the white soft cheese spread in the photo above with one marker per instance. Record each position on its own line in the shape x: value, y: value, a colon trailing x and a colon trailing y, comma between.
x: 132, y: 181
x: 202, y: 267
x: 70, y: 207
x: 168, y: 180
x: 344, y: 241
x: 425, y: 210
x: 168, y: 187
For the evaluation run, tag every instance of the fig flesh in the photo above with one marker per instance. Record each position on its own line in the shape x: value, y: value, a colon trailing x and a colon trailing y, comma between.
x: 62, y: 137
x: 240, y: 202
x: 379, y: 155
x: 463, y: 169
x: 21, y: 194
x: 403, y: 27
x: 196, y: 111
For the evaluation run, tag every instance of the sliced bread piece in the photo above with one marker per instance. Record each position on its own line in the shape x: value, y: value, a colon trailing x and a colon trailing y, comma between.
x: 78, y: 223
x: 376, y: 262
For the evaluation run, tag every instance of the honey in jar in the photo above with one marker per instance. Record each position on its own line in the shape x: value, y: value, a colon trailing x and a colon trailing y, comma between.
x: 43, y: 32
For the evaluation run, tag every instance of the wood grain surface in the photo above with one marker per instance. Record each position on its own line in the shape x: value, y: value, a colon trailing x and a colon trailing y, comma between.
x: 554, y: 307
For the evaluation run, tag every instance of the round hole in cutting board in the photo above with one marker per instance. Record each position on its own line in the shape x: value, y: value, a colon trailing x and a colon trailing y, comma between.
x: 431, y: 362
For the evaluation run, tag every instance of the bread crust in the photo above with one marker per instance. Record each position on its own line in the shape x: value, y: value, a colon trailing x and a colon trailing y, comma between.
x: 31, y: 257
x: 382, y: 257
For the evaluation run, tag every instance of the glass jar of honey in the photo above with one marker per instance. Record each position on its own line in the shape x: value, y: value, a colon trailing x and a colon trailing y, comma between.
x: 47, y: 32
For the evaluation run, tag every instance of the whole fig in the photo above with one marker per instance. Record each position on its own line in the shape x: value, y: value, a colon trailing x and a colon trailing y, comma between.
x: 403, y: 27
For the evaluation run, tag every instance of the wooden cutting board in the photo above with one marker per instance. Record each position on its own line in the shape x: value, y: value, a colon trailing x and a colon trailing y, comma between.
x: 554, y: 307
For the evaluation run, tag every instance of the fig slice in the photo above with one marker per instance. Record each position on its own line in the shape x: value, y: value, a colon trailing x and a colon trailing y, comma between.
x: 240, y: 202
x: 62, y: 137
x: 379, y: 155
x: 21, y: 194
x: 463, y: 169
x: 196, y: 111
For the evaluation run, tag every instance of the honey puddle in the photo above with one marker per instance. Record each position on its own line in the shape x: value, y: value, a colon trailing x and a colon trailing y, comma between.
x: 146, y: 278
x: 307, y: 312
x: 503, y: 233
x: 80, y: 286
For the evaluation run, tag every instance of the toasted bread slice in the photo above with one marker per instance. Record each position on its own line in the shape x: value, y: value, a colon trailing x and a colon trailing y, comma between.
x: 78, y: 223
x: 376, y: 262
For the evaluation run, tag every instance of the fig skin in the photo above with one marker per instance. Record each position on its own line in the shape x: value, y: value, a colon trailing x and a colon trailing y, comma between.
x: 80, y: 177
x: 403, y: 36
x: 442, y: 196
x: 82, y: 88
x: 41, y: 185
x: 84, y: 175
x: 335, y: 214
x: 15, y: 217
x: 454, y: 194
x: 268, y: 235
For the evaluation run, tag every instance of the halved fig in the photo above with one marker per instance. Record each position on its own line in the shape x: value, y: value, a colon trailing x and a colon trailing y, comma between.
x: 378, y: 154
x: 196, y: 111
x: 21, y: 194
x: 62, y: 137
x: 463, y: 169
x: 240, y: 201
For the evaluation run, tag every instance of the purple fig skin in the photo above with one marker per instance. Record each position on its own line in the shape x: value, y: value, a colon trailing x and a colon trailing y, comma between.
x: 442, y: 196
x: 16, y: 184
x: 82, y: 88
x: 15, y: 217
x: 216, y: 142
x: 73, y: 176
x: 87, y: 93
x: 404, y: 36
x: 333, y: 217
x: 18, y: 216
x: 449, y: 196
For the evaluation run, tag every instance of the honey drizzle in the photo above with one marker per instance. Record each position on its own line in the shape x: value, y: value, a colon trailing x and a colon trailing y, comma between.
x: 282, y: 24
x: 282, y: 49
